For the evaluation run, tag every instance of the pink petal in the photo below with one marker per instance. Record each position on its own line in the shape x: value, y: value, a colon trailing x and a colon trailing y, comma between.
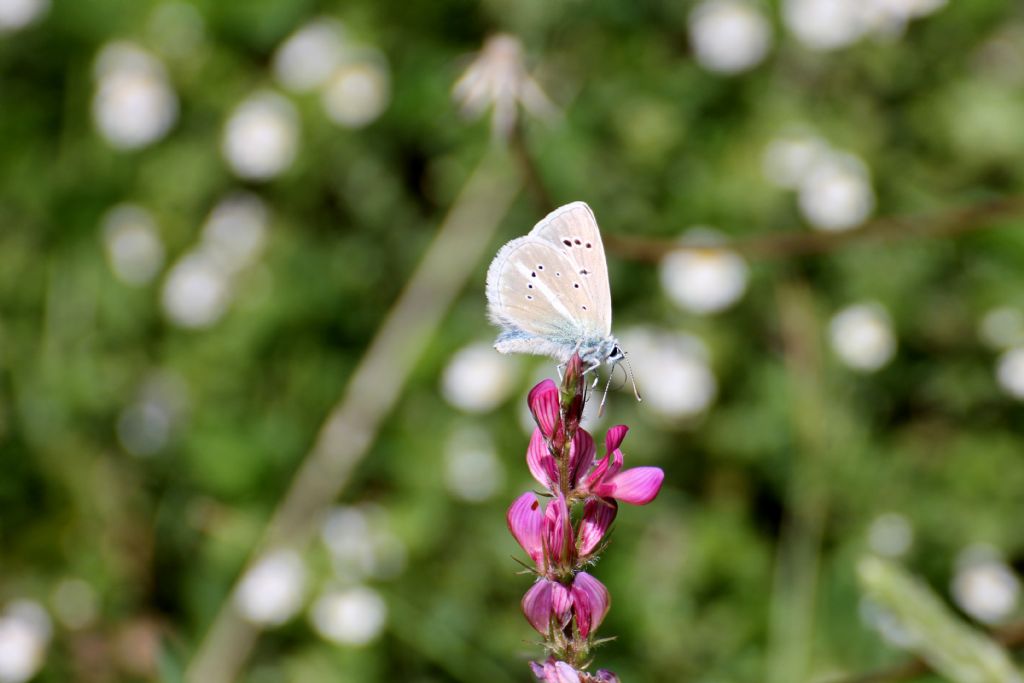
x: 595, y: 478
x: 537, y: 606
x: 598, y: 515
x: 538, y: 670
x: 605, y: 676
x: 525, y: 521
x: 557, y: 532
x: 581, y: 455
x: 562, y: 673
x: 538, y: 459
x: 613, y: 439
x: 591, y: 601
x: 638, y: 486
x: 561, y: 602
x: 543, y: 402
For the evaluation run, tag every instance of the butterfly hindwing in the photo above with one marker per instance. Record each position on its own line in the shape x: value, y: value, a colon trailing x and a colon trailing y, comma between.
x: 572, y: 230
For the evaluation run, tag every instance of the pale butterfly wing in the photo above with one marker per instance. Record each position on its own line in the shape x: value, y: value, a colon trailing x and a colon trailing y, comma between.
x: 535, y: 292
x: 573, y: 230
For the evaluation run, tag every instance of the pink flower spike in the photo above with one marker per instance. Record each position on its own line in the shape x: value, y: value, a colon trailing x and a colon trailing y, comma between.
x: 598, y: 515
x: 543, y: 402
x: 637, y: 486
x: 525, y: 521
x: 537, y: 606
x: 557, y: 532
x: 581, y: 456
x: 538, y: 459
x: 591, y: 601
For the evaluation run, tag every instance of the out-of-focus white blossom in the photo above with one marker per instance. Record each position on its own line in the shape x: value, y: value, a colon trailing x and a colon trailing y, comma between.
x: 308, y: 57
x: 236, y: 230
x: 75, y: 603
x: 729, y: 36
x: 25, y: 631
x: 703, y: 278
x: 833, y: 24
x: 271, y: 591
x: 836, y: 193
x: 144, y: 426
x: 478, y: 378
x: 197, y: 291
x: 891, y: 535
x: 789, y: 158
x: 984, y: 586
x: 1010, y: 372
x: 672, y: 371
x: 862, y: 336
x: 17, y: 14
x: 134, y: 249
x: 352, y: 616
x: 358, y: 92
x: 262, y: 136
x: 497, y: 79
x: 885, y: 623
x: 362, y: 544
x: 473, y: 471
x: 134, y: 104
x: 1002, y: 328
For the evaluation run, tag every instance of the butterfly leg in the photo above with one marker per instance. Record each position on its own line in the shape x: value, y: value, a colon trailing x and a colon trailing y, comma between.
x: 560, y: 368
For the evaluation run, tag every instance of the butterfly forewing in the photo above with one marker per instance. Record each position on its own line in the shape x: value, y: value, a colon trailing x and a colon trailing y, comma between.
x: 532, y: 286
x: 572, y: 230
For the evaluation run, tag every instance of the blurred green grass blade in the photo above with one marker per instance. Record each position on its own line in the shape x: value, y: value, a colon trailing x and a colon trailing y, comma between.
x: 951, y: 647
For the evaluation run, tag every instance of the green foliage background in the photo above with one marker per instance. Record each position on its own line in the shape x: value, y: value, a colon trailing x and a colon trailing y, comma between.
x: 655, y: 144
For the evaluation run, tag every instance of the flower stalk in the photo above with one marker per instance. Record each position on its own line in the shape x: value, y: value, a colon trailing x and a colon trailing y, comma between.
x: 566, y: 604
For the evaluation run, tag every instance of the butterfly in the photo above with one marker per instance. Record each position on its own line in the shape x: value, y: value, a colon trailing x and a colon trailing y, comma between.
x: 548, y: 292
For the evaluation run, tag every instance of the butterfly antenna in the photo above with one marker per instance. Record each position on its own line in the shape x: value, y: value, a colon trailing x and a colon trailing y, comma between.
x: 631, y: 379
x: 600, y: 409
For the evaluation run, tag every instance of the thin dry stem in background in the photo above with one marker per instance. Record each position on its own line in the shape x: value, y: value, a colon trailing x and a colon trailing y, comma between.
x: 372, y: 391
x: 945, y: 223
x: 796, y: 572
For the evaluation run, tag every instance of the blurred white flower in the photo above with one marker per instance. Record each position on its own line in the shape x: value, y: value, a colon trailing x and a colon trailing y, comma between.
x: 729, y: 36
x: 497, y: 78
x: 834, y: 24
x: 262, y: 136
x: 134, y: 249
x: 789, y: 158
x: 473, y: 471
x: 271, y: 591
x: 17, y: 14
x: 362, y: 544
x: 353, y: 616
x: 478, y: 378
x: 308, y: 57
x: 891, y: 535
x: 1002, y: 328
x: 703, y: 278
x: 75, y: 603
x: 197, y: 291
x: 824, y: 24
x: 672, y: 371
x: 134, y: 104
x: 984, y: 586
x: 144, y: 426
x: 862, y: 336
x: 25, y: 631
x: 1010, y: 372
x: 236, y: 230
x: 358, y: 91
x: 836, y: 194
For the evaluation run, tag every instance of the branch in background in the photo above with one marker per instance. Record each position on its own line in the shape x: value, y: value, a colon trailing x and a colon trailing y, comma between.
x: 780, y: 245
x: 373, y: 389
